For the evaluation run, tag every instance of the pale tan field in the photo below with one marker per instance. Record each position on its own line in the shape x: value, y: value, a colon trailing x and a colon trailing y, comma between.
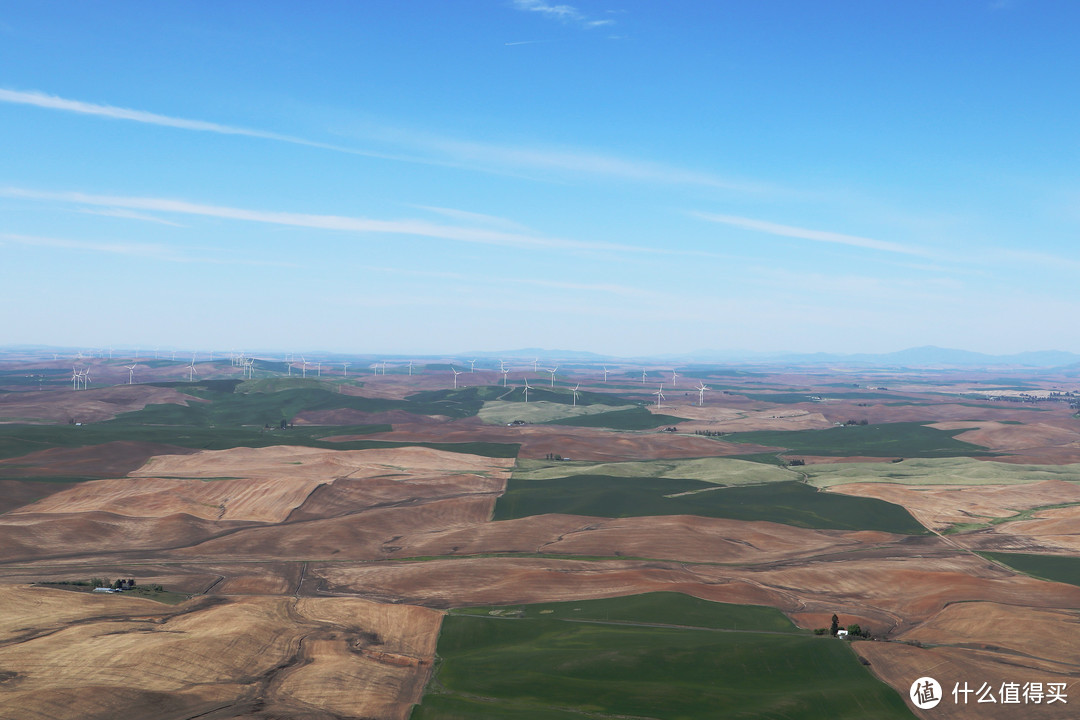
x: 939, y: 507
x: 722, y: 471
x: 310, y: 658
x: 937, y: 471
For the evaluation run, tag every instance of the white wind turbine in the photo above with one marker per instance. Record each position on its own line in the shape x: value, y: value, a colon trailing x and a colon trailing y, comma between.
x: 410, y: 368
x: 553, y: 371
x: 472, y: 366
x: 375, y: 368
x: 74, y: 378
x: 505, y: 372
x: 384, y: 368
x: 535, y: 360
x: 456, y: 373
x: 674, y: 375
x: 605, y: 373
x: 318, y: 369
x: 702, y: 387
x: 575, y: 391
x: 527, y: 389
x: 131, y: 373
x: 659, y: 395
x: 346, y: 366
x: 304, y: 371
x: 643, y: 376
x: 249, y: 368
x: 192, y: 372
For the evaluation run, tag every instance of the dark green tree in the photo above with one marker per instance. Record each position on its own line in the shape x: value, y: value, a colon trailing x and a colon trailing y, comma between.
x: 835, y: 627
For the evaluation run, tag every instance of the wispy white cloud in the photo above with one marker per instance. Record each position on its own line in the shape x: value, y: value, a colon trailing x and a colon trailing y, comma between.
x: 143, y: 250
x: 575, y: 162
x: 474, y: 217
x: 52, y: 102
x: 418, y: 228
x: 824, y: 236
x: 435, y: 150
x: 561, y: 12
x: 129, y: 215
x: 150, y: 251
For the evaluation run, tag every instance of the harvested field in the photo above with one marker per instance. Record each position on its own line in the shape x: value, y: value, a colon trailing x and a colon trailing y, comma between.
x: 943, y: 507
x: 368, y: 535
x: 937, y: 471
x: 714, y: 470
x: 1051, y: 530
x: 111, y: 459
x: 537, y: 441
x: 288, y: 657
x: 895, y: 592
x: 678, y: 537
x: 1049, y: 638
x: 1008, y: 437
x: 27, y: 536
x: 900, y: 665
x: 93, y: 405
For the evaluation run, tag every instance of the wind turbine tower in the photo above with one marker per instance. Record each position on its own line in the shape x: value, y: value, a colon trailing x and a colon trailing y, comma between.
x: 527, y: 389
x: 191, y: 371
x: 131, y: 373
x: 553, y: 371
x: 346, y: 367
x: 674, y: 375
x: 575, y: 391
x: 702, y: 387
x: 659, y: 396
x: 643, y: 375
x: 456, y: 373
x: 605, y: 373
x: 472, y: 366
x: 505, y: 372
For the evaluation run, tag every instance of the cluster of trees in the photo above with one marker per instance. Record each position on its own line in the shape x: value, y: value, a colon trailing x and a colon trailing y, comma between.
x: 857, y: 422
x: 711, y: 433
x: 553, y: 456
x: 283, y: 425
x: 853, y: 630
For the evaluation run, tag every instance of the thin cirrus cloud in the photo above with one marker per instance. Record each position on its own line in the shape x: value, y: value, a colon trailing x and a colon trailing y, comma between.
x: 562, y: 13
x: 149, y: 251
x: 441, y: 152
x: 418, y: 228
x: 824, y: 236
x: 53, y: 102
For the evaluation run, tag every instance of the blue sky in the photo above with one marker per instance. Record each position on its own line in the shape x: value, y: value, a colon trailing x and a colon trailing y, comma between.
x: 621, y: 177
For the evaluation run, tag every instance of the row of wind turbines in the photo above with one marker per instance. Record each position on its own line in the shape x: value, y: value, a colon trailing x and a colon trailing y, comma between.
x: 80, y: 379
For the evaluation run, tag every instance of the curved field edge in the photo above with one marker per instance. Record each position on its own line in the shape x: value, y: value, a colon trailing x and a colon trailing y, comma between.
x: 937, y: 471
x: 1055, y: 568
x: 902, y: 440
x: 789, y: 502
x: 657, y: 655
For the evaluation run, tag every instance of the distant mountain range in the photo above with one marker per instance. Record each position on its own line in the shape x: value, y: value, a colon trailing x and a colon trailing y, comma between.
x: 927, y: 356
